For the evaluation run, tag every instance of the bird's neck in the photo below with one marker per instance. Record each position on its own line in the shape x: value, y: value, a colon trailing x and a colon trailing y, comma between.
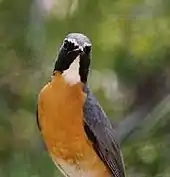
x: 71, y: 75
x: 77, y: 72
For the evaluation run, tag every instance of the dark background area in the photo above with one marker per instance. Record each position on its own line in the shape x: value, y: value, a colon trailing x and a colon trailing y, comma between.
x: 129, y: 75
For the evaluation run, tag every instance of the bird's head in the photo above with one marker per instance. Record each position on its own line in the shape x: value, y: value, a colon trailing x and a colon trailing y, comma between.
x: 73, y: 60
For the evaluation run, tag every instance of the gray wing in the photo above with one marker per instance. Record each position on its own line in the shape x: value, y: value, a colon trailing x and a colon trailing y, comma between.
x: 102, y: 136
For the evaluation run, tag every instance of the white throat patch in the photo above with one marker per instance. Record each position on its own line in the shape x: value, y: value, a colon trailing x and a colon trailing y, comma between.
x: 71, y: 75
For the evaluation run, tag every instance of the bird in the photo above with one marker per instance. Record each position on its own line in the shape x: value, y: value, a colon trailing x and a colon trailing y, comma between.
x: 75, y: 129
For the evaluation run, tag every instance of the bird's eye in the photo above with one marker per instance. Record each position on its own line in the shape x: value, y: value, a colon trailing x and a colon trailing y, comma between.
x: 87, y: 48
x: 65, y: 43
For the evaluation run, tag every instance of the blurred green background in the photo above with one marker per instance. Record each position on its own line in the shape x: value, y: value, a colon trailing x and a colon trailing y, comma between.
x: 130, y: 69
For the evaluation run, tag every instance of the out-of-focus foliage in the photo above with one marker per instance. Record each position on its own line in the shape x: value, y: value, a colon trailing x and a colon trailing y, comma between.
x: 130, y: 41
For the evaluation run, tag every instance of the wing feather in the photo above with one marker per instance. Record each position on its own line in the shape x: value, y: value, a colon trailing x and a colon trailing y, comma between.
x: 102, y: 135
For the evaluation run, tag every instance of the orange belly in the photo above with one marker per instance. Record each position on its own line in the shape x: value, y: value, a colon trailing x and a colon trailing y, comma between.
x: 61, y: 120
